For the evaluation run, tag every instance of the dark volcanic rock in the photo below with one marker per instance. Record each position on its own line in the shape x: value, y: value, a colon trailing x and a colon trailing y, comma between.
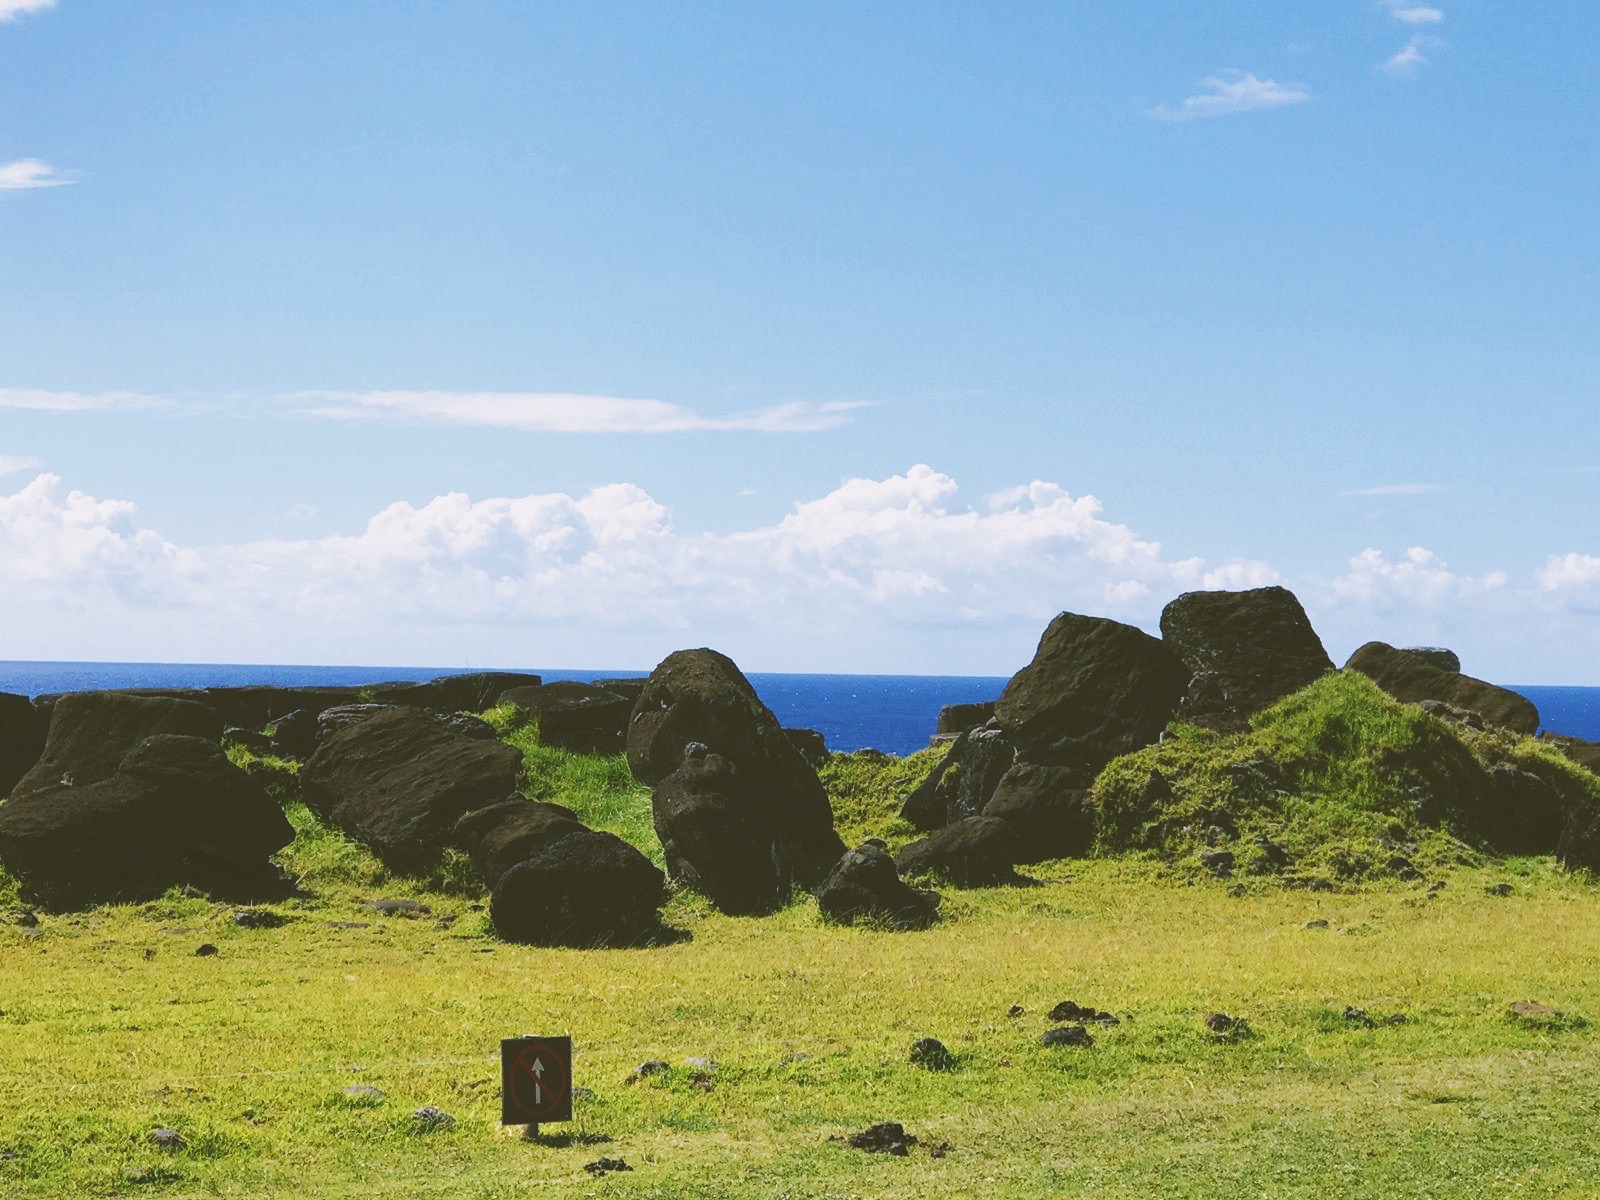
x: 765, y: 789
x: 575, y: 716
x: 91, y: 731
x: 22, y: 732
x: 586, y: 889
x: 866, y: 884
x: 1250, y: 647
x: 1578, y: 848
x: 1412, y: 678
x: 1526, y: 815
x: 812, y: 745
x: 1052, y: 818
x: 886, y: 1137
x: 932, y: 1055
x: 958, y: 718
x: 398, y: 779
x: 1438, y: 656
x: 970, y: 853
x: 475, y: 691
x: 1095, y: 689
x: 174, y: 805
x: 963, y: 782
x: 716, y: 841
x: 500, y: 836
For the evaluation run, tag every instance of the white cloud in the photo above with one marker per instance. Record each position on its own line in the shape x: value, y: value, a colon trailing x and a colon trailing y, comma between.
x: 556, y: 412
x: 893, y: 574
x: 43, y: 400
x: 1229, y: 92
x: 10, y: 464
x: 1409, y: 13
x: 31, y: 173
x: 1570, y: 572
x: 839, y: 578
x: 1408, y: 58
x: 1396, y: 489
x: 1420, y: 578
x: 10, y: 10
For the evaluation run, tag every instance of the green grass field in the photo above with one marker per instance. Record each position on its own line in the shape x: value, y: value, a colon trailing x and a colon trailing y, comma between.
x: 783, y: 1034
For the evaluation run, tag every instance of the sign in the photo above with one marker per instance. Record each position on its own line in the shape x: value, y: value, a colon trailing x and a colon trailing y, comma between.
x: 535, y: 1080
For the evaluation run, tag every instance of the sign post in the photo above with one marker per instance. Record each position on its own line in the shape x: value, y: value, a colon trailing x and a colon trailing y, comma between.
x: 535, y: 1081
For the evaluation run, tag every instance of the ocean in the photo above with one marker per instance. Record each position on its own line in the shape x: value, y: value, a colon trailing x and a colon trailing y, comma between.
x: 892, y: 713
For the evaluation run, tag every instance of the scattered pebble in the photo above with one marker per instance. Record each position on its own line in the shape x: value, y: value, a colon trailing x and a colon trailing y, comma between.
x: 1225, y: 1027
x: 646, y: 1069
x: 1319, y: 923
x: 428, y: 1119
x: 1320, y: 885
x: 163, y: 1138
x: 1359, y: 1016
x: 23, y: 917
x: 205, y: 950
x: 886, y: 1137
x: 1071, y: 1010
x: 602, y: 1166
x: 1532, y: 1010
x: 365, y: 1091
x: 1436, y: 886
x: 931, y: 1054
x: 148, y: 953
x: 1499, y: 889
x: 348, y: 925
x: 1066, y: 1035
x: 1016, y: 1010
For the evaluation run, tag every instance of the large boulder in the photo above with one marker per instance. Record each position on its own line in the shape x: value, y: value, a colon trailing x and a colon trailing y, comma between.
x: 1095, y: 689
x: 500, y: 836
x: 1051, y: 816
x: 171, y: 809
x: 575, y: 716
x: 716, y: 841
x: 1249, y: 648
x: 397, y: 779
x: 1525, y: 814
x: 1578, y: 848
x: 1413, y: 677
x: 91, y: 731
x: 962, y: 783
x: 587, y: 888
x: 955, y: 719
x: 865, y: 884
x: 22, y: 733
x: 970, y: 853
x: 767, y: 789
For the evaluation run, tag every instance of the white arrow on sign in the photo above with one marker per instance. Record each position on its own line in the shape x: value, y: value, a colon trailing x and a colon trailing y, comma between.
x: 538, y: 1081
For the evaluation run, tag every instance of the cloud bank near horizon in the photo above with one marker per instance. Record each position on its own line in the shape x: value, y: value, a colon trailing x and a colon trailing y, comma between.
x: 892, y: 574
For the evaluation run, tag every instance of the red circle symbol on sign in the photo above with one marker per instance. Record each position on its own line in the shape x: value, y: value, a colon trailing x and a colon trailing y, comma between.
x: 538, y: 1083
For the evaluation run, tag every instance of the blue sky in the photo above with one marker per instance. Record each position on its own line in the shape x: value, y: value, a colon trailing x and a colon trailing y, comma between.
x: 841, y: 337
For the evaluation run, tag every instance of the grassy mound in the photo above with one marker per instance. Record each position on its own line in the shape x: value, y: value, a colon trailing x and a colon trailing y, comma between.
x: 1336, y: 781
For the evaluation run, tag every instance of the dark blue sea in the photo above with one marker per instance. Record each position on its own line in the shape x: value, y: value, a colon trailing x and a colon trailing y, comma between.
x: 892, y: 713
